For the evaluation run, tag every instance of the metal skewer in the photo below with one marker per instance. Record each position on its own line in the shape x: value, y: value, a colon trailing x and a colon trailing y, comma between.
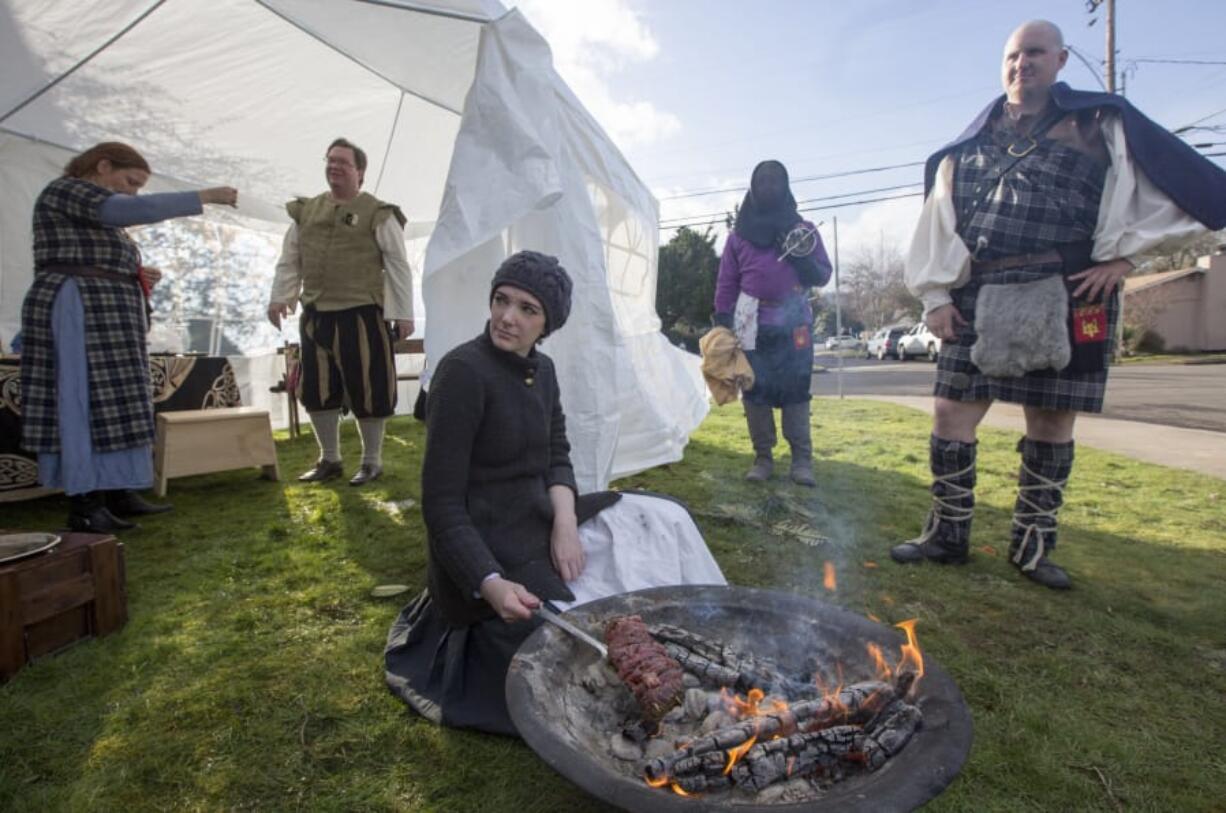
x: 557, y: 620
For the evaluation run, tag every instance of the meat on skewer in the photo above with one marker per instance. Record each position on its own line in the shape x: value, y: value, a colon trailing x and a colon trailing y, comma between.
x: 644, y: 666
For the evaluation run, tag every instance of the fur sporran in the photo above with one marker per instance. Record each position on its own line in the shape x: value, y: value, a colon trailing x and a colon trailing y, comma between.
x: 1022, y: 327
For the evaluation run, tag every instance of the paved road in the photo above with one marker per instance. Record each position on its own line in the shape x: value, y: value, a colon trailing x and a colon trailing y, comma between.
x: 1191, y: 396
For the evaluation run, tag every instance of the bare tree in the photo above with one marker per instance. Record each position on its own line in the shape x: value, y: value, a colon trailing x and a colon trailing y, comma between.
x: 874, y: 285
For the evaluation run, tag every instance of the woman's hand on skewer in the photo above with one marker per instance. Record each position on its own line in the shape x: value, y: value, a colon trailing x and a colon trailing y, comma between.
x: 511, y: 600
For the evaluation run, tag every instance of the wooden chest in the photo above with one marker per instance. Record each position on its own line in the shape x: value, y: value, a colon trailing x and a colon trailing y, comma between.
x: 55, y: 599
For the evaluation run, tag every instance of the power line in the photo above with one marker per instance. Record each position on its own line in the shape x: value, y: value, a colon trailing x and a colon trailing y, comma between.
x: 1179, y: 61
x: 807, y: 200
x: 1192, y: 124
x: 721, y: 219
x: 697, y: 193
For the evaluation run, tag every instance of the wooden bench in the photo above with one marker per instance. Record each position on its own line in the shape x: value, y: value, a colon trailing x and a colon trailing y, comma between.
x: 202, y: 441
x: 410, y: 347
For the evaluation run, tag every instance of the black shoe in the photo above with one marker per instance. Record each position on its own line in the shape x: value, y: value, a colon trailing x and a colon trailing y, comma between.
x: 1048, y: 574
x: 365, y: 473
x: 89, y: 515
x: 910, y: 553
x: 324, y: 470
x: 126, y: 503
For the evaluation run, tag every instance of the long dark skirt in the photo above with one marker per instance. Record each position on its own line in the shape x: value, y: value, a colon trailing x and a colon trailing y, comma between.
x: 453, y: 676
x: 782, y: 371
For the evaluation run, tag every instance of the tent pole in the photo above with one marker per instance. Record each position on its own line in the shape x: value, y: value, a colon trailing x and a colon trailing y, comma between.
x: 263, y: 4
x: 31, y: 98
x: 391, y: 136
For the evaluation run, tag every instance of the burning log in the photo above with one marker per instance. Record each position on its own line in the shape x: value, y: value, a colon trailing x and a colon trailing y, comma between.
x: 644, y: 666
x: 720, y: 654
x: 854, y: 705
x: 741, y: 676
x: 889, y: 732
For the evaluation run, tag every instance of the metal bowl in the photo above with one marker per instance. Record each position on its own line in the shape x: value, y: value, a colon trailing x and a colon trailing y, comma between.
x: 547, y: 700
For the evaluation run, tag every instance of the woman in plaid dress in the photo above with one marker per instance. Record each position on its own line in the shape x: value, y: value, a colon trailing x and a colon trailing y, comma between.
x: 86, y: 399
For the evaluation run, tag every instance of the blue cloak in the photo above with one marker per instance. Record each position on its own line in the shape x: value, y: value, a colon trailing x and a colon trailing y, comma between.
x: 1193, y: 182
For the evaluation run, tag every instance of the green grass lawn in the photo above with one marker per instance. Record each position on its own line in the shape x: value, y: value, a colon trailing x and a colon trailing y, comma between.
x: 249, y: 676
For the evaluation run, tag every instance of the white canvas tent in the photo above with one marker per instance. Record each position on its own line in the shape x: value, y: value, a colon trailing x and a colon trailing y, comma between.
x: 468, y: 127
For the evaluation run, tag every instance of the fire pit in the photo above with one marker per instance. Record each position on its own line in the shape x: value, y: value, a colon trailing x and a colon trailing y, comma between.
x: 575, y: 716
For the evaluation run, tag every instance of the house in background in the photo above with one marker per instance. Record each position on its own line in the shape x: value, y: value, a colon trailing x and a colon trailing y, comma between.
x: 1186, y: 308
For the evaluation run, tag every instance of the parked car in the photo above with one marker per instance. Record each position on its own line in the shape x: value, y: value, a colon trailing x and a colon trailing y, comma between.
x: 918, y: 341
x: 884, y: 343
x: 843, y: 343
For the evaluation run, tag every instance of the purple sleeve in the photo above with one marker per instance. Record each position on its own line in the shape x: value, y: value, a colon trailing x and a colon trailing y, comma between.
x: 728, y: 285
x: 135, y: 210
x: 820, y: 256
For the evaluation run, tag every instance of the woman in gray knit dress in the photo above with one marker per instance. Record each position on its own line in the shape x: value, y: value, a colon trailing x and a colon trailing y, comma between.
x: 507, y: 529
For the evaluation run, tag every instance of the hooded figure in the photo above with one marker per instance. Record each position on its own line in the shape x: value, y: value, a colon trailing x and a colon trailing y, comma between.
x: 770, y: 261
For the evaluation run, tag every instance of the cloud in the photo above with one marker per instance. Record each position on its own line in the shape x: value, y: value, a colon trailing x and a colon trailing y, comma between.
x: 892, y: 221
x: 591, y: 40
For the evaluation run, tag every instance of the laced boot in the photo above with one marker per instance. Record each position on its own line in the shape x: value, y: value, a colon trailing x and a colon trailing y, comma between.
x: 761, y: 421
x: 946, y: 538
x: 1040, y: 493
x: 797, y: 433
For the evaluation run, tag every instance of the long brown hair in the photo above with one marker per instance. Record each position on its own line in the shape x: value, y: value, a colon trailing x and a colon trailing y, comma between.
x: 119, y: 154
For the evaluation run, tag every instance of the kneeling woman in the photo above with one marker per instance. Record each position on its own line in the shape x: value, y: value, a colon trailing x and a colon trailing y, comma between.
x: 506, y: 529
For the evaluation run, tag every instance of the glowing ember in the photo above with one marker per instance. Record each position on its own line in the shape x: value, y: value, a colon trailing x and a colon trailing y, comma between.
x: 870, y: 565
x: 656, y: 783
x: 912, y: 658
x: 828, y: 579
x: 677, y: 790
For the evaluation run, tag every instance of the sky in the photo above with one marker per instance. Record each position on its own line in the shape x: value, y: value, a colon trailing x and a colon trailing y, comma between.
x: 696, y: 92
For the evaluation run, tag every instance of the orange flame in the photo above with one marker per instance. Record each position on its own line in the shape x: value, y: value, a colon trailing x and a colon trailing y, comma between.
x: 828, y: 579
x: 879, y: 661
x: 735, y: 754
x: 677, y: 790
x: 656, y: 783
x: 911, y: 656
x: 743, y: 708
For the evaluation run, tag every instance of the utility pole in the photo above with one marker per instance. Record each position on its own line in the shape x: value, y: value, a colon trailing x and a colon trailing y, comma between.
x: 1110, y: 46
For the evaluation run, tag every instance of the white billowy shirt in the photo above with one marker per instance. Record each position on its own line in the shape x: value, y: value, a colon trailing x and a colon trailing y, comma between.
x: 397, y: 275
x: 1134, y: 216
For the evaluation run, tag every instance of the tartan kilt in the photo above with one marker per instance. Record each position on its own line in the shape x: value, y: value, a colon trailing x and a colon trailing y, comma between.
x: 120, y: 388
x: 958, y: 379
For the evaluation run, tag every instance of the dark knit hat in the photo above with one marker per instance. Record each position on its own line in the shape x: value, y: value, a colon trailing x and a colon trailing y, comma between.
x: 543, y: 277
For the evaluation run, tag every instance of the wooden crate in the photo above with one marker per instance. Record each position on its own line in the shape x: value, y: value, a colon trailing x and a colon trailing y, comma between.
x: 52, y: 600
x: 201, y: 441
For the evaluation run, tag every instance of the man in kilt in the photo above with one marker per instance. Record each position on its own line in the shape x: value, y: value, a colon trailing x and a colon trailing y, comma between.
x: 1030, y: 222
x: 344, y: 259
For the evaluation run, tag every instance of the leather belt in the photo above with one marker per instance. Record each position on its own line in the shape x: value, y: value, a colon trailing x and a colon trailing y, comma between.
x: 89, y: 271
x: 1017, y: 261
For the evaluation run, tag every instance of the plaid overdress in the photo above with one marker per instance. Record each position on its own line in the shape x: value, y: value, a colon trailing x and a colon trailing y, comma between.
x: 1049, y: 198
x: 67, y: 231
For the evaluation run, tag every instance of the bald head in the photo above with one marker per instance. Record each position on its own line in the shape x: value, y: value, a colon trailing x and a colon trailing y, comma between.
x: 1034, y: 56
x: 1040, y: 28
